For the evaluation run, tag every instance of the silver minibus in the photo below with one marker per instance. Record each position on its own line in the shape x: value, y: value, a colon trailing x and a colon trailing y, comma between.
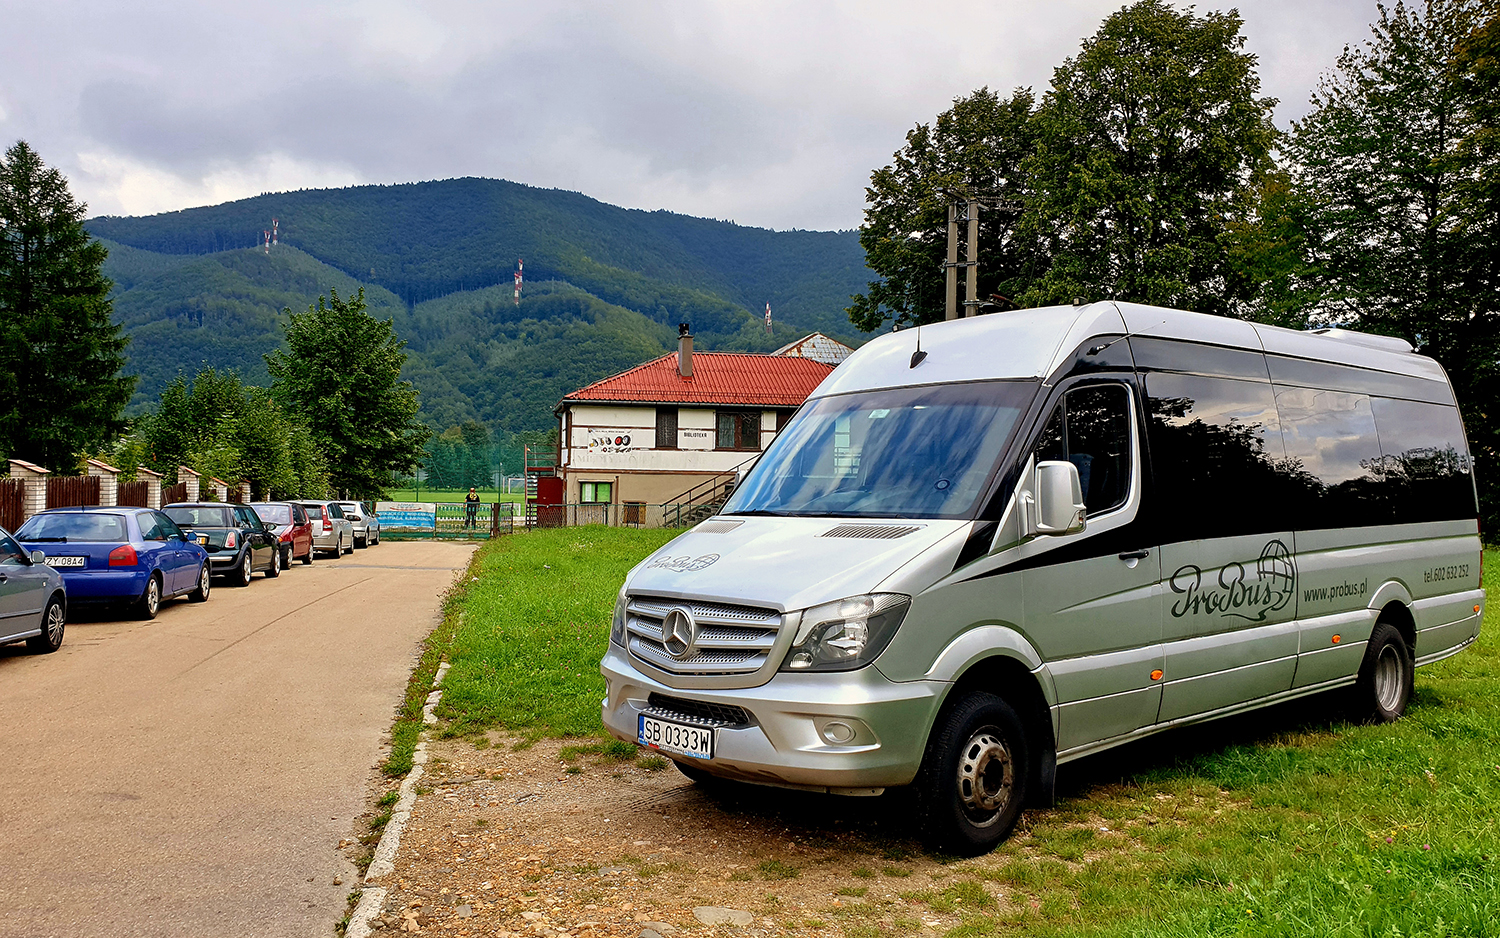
x: 987, y: 547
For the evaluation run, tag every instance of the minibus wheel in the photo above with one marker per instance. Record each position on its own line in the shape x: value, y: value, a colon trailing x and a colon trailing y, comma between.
x: 973, y: 778
x: 1383, y: 688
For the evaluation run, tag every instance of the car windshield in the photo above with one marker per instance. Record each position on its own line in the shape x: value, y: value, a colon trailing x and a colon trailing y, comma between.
x: 74, y: 526
x: 200, y: 516
x: 274, y: 514
x: 900, y: 453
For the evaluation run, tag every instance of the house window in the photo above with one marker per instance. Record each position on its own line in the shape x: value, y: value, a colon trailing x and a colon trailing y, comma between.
x: 739, y: 429
x: 666, y: 428
x: 591, y: 493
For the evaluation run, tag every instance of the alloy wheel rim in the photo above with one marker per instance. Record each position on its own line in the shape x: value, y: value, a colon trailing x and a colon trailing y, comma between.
x: 153, y: 596
x: 246, y: 567
x: 986, y: 777
x: 1388, y: 679
x: 55, y: 622
x: 203, y: 581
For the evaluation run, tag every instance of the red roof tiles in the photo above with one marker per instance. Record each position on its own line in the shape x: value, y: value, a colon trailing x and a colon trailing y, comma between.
x: 718, y: 378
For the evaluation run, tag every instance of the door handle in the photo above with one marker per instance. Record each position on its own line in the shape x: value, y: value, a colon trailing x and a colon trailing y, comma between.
x: 1135, y: 555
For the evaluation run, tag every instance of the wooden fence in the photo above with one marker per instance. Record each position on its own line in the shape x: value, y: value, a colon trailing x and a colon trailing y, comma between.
x: 174, y: 493
x: 70, y: 491
x: 12, y: 504
x: 133, y: 494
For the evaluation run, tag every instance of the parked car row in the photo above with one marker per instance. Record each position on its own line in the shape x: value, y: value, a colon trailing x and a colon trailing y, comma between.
x: 138, y: 558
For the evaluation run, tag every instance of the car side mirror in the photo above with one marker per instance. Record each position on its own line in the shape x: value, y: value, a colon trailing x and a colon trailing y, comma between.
x: 38, y: 558
x: 1059, y: 498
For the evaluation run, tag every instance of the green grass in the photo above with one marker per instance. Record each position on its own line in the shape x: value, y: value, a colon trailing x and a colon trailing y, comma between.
x: 1287, y: 822
x: 525, y: 655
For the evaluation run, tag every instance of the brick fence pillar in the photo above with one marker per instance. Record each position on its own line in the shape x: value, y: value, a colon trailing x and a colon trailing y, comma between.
x: 193, y: 478
x: 109, y: 481
x: 153, y: 485
x: 35, y: 478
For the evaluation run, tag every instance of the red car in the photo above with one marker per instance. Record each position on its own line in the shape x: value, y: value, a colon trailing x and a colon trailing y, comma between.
x: 293, y: 529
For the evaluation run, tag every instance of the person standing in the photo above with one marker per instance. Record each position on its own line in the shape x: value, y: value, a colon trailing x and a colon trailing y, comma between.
x: 471, y: 508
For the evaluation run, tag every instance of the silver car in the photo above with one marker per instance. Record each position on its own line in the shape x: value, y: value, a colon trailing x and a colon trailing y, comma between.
x: 366, y: 525
x: 333, y: 533
x: 33, y: 603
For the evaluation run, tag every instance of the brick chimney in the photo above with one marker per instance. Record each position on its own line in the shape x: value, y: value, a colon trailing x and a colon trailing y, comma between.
x: 684, y: 350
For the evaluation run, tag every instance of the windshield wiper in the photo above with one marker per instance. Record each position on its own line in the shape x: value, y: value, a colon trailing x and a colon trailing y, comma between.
x: 759, y: 513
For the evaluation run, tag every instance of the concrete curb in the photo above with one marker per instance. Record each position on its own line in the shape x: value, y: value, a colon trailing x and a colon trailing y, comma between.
x: 372, y: 897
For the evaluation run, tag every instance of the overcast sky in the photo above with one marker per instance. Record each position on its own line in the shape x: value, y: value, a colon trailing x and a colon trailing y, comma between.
x: 767, y: 113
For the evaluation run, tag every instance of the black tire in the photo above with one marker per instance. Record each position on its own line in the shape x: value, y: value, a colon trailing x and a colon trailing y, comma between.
x: 54, y: 620
x: 1383, y: 688
x: 350, y: 548
x: 205, y: 584
x: 311, y: 552
x: 150, y: 602
x: 376, y: 540
x: 360, y: 543
x: 274, y: 570
x: 973, y: 780
x: 242, y: 575
x: 286, y: 557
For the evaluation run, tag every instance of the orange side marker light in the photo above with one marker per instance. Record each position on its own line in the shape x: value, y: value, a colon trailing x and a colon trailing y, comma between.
x: 1156, y: 675
x: 1476, y: 608
x: 1337, y: 639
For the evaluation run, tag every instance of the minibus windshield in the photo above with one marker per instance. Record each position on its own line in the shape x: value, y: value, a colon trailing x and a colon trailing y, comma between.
x: 898, y: 453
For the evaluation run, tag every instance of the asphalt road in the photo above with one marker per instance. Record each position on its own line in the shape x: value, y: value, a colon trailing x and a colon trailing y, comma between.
x: 193, y: 775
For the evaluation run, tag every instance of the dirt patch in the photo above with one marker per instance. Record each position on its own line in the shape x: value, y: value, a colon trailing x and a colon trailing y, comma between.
x: 529, y: 843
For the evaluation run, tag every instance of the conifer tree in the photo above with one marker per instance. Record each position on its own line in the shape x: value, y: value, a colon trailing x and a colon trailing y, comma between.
x: 61, y: 391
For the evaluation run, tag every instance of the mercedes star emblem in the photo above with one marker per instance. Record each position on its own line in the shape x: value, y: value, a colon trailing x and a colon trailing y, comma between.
x: 679, y: 633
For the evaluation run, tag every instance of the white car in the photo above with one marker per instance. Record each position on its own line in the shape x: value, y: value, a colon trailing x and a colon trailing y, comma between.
x: 366, y: 525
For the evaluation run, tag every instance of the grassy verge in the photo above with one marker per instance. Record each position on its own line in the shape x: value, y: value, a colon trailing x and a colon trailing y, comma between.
x: 1283, y: 822
x: 535, y: 624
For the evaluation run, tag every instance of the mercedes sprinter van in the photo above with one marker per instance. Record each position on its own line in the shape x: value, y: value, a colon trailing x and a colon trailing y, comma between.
x: 986, y: 547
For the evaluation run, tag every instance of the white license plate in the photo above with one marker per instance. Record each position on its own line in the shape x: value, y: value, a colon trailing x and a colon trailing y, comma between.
x: 67, y: 561
x: 679, y: 738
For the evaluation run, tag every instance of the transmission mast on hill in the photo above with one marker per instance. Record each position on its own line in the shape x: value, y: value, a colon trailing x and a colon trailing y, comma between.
x: 519, y: 267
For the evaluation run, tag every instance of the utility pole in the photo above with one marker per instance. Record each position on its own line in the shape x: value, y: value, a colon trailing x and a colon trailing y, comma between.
x: 960, y: 211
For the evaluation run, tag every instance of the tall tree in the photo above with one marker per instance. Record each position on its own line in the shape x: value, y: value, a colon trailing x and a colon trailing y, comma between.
x: 974, y: 148
x: 341, y: 371
x: 1398, y: 162
x: 61, y: 392
x: 1149, y: 143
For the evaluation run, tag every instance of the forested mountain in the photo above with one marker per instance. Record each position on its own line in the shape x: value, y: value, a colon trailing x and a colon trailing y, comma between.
x: 605, y: 286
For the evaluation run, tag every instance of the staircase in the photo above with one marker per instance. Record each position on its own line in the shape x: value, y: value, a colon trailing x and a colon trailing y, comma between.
x: 704, y: 499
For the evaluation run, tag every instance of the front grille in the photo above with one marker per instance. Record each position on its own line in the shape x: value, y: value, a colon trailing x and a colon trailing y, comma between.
x: 730, y: 639
x: 698, y: 711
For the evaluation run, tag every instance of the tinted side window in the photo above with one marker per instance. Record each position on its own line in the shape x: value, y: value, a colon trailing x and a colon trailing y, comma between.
x: 334, y: 511
x: 1216, y: 456
x: 1424, y: 461
x: 1332, y: 455
x: 1091, y: 429
x: 10, y: 552
x: 166, y: 526
x: 150, y: 529
x: 299, y: 515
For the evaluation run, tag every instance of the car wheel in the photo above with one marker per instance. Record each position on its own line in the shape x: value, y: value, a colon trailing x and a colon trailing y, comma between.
x: 1383, y: 688
x: 200, y: 595
x: 308, y: 557
x: 150, y: 602
x: 54, y: 619
x: 286, y: 557
x: 274, y: 570
x: 242, y: 575
x: 350, y: 548
x: 972, y: 783
x: 360, y: 543
x: 377, y: 539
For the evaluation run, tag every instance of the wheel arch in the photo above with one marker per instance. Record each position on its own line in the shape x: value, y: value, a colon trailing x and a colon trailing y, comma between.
x: 1007, y: 676
x: 1398, y: 615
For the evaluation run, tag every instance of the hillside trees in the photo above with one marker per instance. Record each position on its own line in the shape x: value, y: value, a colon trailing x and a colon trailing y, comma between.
x: 340, y: 371
x: 61, y: 392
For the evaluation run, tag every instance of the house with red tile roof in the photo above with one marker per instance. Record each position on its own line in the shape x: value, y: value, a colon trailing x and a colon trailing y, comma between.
x: 648, y: 435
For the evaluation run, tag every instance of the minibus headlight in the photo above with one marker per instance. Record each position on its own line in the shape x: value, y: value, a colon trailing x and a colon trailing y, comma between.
x: 617, y: 628
x: 848, y: 634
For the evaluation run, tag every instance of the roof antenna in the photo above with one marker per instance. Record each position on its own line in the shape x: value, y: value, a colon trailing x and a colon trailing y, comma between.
x: 1099, y: 348
x: 918, y: 355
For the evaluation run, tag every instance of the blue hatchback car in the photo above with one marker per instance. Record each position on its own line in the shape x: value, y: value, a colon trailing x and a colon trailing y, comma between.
x: 137, y: 556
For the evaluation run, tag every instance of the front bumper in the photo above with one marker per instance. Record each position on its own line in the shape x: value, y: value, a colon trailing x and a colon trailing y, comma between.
x: 782, y: 743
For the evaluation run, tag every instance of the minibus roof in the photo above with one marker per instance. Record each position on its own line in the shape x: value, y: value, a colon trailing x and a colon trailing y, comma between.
x: 1033, y: 343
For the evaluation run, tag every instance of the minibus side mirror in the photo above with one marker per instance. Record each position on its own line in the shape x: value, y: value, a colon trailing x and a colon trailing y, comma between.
x: 1059, y: 498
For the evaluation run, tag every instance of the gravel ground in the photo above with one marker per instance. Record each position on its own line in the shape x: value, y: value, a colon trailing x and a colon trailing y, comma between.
x: 509, y: 840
